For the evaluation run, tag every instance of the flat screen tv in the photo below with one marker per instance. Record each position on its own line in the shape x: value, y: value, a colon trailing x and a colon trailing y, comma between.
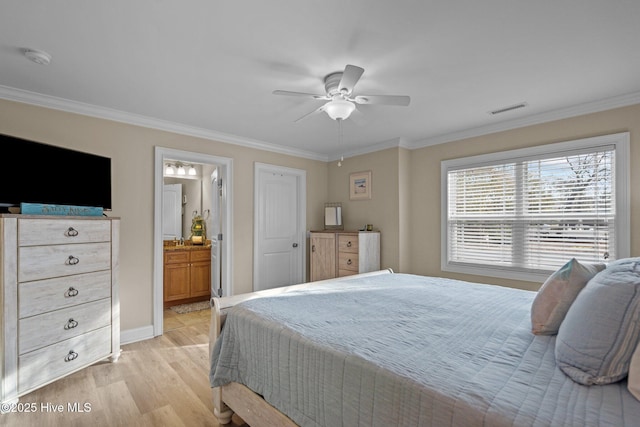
x: 32, y: 172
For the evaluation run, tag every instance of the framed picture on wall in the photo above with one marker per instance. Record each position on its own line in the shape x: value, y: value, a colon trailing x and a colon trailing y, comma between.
x: 360, y: 185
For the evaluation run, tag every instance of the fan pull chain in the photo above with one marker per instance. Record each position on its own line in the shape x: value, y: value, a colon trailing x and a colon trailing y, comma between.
x: 340, y: 140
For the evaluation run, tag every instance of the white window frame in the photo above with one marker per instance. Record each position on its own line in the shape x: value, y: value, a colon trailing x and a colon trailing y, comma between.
x: 622, y: 189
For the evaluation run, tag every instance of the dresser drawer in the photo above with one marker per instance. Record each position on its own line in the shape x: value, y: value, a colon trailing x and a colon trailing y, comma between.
x: 47, y: 364
x: 42, y: 330
x: 347, y: 243
x: 42, y: 296
x: 348, y: 261
x: 34, y: 232
x: 43, y: 262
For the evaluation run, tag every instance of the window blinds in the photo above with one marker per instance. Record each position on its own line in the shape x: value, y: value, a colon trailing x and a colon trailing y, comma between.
x: 533, y: 213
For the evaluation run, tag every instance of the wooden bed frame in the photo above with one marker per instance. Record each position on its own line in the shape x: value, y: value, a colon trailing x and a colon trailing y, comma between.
x: 237, y: 398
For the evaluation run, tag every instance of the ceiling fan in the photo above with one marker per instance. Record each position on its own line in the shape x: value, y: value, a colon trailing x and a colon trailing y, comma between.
x: 339, y: 94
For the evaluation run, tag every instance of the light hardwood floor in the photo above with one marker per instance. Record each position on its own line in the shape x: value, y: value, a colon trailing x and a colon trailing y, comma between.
x: 158, y: 382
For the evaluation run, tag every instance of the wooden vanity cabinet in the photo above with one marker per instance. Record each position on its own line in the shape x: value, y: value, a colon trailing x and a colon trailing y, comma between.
x: 176, y: 275
x: 200, y: 272
x: 187, y: 275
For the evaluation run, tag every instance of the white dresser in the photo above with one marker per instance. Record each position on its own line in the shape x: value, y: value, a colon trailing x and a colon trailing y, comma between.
x: 59, y: 297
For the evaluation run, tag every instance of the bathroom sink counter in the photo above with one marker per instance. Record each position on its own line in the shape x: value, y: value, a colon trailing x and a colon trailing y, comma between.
x: 174, y: 245
x: 186, y: 247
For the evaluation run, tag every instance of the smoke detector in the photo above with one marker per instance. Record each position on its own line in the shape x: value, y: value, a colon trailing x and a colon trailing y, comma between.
x: 38, y: 56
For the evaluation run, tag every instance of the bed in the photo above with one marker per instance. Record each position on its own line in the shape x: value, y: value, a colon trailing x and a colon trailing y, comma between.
x: 389, y: 349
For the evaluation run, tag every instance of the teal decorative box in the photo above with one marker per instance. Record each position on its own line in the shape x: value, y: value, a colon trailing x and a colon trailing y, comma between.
x: 67, y: 210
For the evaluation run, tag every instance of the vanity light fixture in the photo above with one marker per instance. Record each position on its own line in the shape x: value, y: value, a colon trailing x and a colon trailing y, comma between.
x: 179, y: 169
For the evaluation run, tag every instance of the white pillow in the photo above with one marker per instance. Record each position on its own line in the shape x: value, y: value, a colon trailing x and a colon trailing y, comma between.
x: 556, y: 295
x: 634, y: 374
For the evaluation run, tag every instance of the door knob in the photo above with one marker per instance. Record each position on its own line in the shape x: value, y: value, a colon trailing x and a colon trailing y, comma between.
x: 295, y: 245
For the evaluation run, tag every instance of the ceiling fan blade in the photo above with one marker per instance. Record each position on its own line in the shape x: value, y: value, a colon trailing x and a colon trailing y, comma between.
x: 301, y: 94
x: 350, y: 77
x: 383, y: 99
x: 317, y: 110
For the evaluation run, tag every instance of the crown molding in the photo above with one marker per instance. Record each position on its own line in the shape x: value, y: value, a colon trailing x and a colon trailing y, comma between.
x: 549, y: 116
x: 66, y: 105
x: 46, y: 101
x: 392, y: 143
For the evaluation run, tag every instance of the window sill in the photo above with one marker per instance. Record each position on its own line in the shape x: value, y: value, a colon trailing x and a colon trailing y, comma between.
x: 503, y: 273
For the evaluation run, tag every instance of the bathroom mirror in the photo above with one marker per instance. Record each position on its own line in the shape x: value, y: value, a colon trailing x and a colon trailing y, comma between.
x: 182, y: 201
x: 333, y: 216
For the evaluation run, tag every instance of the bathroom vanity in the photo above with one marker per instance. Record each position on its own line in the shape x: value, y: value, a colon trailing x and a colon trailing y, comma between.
x: 187, y: 273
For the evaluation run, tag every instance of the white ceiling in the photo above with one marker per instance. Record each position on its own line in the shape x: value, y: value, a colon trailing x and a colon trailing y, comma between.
x: 208, y: 68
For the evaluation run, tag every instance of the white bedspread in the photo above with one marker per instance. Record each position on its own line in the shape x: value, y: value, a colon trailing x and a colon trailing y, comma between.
x: 408, y: 350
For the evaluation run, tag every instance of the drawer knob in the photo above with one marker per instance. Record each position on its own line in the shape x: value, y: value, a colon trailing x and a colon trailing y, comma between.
x: 71, y: 324
x: 72, y: 260
x: 71, y: 232
x: 71, y: 292
x: 349, y: 244
x: 71, y: 356
x: 348, y: 262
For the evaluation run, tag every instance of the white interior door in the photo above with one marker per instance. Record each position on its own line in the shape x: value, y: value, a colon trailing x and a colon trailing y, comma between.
x: 172, y: 212
x: 280, y: 218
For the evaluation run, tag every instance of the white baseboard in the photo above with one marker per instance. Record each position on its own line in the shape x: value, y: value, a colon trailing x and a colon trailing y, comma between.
x: 138, y: 334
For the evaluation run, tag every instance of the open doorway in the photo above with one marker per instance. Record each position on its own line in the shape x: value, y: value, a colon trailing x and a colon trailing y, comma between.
x: 208, y: 196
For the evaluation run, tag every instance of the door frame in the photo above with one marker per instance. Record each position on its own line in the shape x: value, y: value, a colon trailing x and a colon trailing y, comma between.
x: 217, y: 202
x: 301, y: 180
x: 161, y: 155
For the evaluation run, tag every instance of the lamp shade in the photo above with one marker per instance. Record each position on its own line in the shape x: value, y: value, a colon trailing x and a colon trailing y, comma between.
x: 339, y: 109
x: 169, y: 170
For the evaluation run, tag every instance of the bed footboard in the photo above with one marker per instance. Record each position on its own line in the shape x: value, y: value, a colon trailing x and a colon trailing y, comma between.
x: 248, y: 405
x: 222, y: 412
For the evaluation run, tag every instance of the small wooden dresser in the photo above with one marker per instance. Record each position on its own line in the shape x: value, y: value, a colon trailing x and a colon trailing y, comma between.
x: 343, y: 253
x: 59, y: 296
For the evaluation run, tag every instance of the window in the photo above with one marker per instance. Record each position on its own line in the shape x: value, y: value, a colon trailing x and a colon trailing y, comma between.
x: 524, y: 213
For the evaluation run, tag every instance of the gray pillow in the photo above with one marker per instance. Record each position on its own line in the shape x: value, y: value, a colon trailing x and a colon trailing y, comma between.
x: 602, y: 327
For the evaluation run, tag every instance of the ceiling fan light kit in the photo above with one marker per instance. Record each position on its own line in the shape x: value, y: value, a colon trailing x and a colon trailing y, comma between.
x: 339, y: 87
x: 339, y: 109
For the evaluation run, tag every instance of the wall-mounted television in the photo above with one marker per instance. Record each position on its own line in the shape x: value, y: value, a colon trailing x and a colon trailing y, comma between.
x: 33, y: 172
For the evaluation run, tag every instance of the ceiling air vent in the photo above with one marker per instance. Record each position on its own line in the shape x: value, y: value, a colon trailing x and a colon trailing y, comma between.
x: 509, y: 108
